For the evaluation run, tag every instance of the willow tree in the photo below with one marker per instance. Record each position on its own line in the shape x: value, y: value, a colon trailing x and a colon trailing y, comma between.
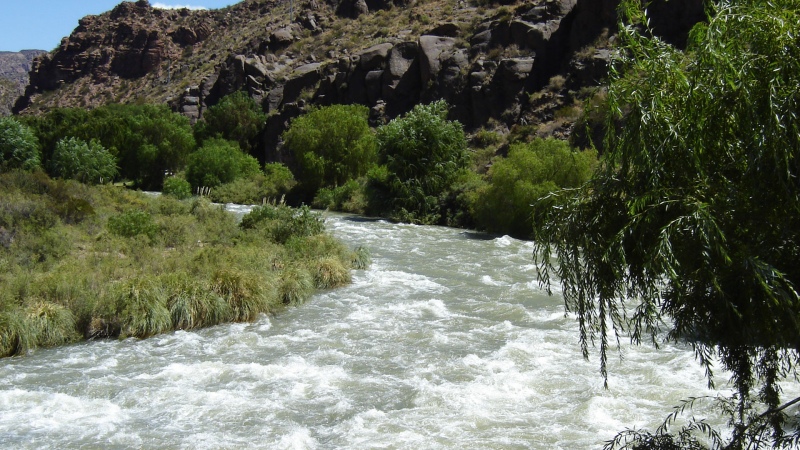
x: 694, y: 214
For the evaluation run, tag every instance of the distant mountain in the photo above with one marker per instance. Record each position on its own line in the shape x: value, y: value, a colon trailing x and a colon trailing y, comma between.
x: 498, y: 63
x: 14, y: 68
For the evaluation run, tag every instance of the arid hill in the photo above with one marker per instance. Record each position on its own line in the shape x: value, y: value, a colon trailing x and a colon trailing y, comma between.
x: 498, y: 64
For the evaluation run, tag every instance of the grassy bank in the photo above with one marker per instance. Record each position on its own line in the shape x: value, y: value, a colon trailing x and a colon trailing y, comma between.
x: 80, y: 262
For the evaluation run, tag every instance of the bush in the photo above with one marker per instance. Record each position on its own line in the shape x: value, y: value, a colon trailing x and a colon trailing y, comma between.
x: 177, y: 187
x: 133, y: 223
x: 217, y: 162
x: 348, y: 197
x: 276, y: 181
x: 89, y: 163
x: 332, y: 145
x: 530, y: 172
x: 19, y: 148
x: 281, y: 223
x: 423, y: 153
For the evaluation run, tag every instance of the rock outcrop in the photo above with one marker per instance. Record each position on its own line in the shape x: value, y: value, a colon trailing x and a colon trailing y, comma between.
x: 505, y: 64
x: 14, y: 68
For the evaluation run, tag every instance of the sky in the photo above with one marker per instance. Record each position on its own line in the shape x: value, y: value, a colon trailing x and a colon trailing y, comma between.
x: 40, y: 24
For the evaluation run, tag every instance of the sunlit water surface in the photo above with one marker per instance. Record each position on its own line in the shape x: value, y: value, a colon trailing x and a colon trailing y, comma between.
x: 446, y: 342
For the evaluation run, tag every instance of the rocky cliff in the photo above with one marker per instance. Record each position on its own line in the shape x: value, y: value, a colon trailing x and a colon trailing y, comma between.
x: 498, y: 64
x: 14, y: 68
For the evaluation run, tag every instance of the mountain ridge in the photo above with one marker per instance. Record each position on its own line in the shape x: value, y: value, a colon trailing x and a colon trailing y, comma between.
x: 498, y: 65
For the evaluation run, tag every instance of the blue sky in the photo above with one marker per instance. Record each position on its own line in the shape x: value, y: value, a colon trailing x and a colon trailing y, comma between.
x: 40, y: 24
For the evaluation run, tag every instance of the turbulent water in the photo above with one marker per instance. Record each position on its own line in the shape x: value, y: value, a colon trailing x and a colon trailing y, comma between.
x: 447, y: 341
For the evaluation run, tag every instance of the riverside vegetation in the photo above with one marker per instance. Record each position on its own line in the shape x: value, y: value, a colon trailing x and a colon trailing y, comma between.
x: 83, y: 262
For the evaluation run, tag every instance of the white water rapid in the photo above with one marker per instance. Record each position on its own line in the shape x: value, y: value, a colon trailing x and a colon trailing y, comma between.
x: 446, y: 342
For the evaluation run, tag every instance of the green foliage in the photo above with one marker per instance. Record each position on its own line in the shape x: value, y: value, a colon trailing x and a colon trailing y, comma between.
x: 237, y: 117
x: 691, y: 223
x: 332, y: 145
x: 530, y: 173
x: 217, y: 162
x: 423, y: 153
x: 144, y: 311
x: 161, y: 264
x: 281, y: 223
x: 348, y: 197
x: 331, y: 273
x: 177, y: 187
x: 246, y: 297
x: 86, y: 162
x: 147, y: 140
x: 276, y: 181
x: 19, y: 148
x: 133, y: 223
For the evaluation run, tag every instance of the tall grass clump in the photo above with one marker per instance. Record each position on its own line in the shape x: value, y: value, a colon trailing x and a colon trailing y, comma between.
x: 143, y: 308
x: 296, y: 285
x: 194, y: 306
x: 52, y: 324
x: 242, y: 291
x: 331, y: 273
x: 17, y: 337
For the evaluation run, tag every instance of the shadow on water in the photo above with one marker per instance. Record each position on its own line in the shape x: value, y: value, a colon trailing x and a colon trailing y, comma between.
x: 479, y: 236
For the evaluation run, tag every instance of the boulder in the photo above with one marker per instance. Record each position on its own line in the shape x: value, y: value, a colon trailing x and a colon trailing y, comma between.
x: 280, y: 38
x: 304, y: 77
x: 401, y: 80
x: 431, y: 49
x: 374, y: 57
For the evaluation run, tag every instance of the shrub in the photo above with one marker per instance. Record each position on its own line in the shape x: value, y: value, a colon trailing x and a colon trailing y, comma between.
x: 19, y: 148
x: 276, y: 181
x: 348, y: 197
x: 177, y: 187
x: 217, y: 162
x: 133, y: 223
x: 332, y: 145
x: 89, y: 163
x: 362, y: 258
x: 281, y: 223
x: 423, y: 152
x: 530, y: 172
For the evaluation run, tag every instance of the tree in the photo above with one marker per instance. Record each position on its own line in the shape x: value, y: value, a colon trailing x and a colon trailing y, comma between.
x: 237, y: 117
x: 19, y: 148
x: 530, y: 172
x: 217, y: 162
x: 332, y: 145
x: 422, y: 154
x: 148, y: 140
x: 89, y: 163
x: 694, y: 215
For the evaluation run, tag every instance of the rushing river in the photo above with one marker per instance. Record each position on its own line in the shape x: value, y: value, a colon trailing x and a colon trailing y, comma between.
x: 446, y: 342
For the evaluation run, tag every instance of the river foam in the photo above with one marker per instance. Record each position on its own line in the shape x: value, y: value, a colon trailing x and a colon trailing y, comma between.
x: 446, y: 342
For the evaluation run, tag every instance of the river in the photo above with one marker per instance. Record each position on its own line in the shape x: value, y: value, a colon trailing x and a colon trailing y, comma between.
x: 445, y: 342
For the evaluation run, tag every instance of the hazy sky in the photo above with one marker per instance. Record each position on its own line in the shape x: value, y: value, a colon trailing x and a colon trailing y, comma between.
x: 40, y: 24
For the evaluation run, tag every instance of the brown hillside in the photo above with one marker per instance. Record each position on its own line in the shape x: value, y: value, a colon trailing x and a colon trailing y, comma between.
x: 498, y: 64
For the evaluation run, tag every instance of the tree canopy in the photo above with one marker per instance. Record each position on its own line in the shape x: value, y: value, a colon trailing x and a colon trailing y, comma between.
x: 19, y: 148
x: 237, y: 117
x: 421, y: 153
x: 694, y: 214
x: 332, y: 145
